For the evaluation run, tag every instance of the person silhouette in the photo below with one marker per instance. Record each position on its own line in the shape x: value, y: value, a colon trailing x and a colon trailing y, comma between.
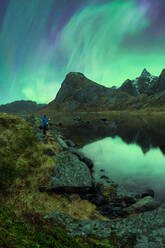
x: 44, y: 122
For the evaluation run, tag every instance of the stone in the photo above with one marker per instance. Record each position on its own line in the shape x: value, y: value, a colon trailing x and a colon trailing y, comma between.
x: 62, y: 142
x: 75, y: 151
x: 88, y: 162
x: 145, y: 204
x: 104, y: 177
x: 81, y: 157
x: 127, y: 200
x: 70, y: 174
x: 98, y: 200
x: 70, y: 143
x: 144, y: 230
x: 148, y: 192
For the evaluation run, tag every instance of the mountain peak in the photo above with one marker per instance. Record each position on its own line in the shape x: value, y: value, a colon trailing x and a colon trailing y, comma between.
x: 145, y: 74
x: 75, y: 75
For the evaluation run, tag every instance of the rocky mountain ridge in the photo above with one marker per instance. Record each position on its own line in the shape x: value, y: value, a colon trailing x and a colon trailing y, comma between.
x: 145, y: 84
x: 78, y: 93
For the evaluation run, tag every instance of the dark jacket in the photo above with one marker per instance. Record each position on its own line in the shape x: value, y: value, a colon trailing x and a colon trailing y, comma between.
x: 44, y: 121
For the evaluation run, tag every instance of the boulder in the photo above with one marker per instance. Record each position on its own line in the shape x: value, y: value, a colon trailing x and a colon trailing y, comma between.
x: 81, y: 157
x: 70, y: 174
x: 145, y: 204
x: 62, y: 142
x: 70, y: 143
x: 148, y: 192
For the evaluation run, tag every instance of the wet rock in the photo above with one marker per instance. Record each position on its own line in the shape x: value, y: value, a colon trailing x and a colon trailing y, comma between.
x: 62, y: 142
x: 70, y: 174
x: 81, y: 157
x: 70, y: 143
x: 127, y: 200
x: 75, y: 151
x: 148, y: 192
x: 98, y: 200
x: 112, y: 209
x: 104, y: 177
x: 88, y: 162
x: 121, y: 193
x: 145, y: 204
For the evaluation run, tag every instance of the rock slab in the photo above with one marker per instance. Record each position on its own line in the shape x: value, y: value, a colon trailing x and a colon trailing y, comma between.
x: 70, y: 174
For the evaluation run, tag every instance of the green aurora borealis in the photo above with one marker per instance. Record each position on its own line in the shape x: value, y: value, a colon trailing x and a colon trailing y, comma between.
x: 109, y: 41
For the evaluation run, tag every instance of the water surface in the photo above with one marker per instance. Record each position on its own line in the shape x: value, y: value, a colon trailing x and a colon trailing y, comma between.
x: 127, y: 165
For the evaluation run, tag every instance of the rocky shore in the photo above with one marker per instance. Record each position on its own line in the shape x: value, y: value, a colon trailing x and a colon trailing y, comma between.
x: 132, y: 220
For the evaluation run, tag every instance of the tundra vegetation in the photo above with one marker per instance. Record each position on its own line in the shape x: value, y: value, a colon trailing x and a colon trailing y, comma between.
x: 24, y: 170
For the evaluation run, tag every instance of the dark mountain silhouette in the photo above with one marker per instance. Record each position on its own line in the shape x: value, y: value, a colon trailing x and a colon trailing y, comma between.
x: 21, y: 106
x: 78, y: 93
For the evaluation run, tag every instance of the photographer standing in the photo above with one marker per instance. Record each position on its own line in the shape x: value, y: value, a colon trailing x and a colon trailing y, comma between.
x: 45, y: 123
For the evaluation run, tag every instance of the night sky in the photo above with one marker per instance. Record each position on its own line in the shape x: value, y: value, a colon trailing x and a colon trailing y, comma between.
x: 107, y: 40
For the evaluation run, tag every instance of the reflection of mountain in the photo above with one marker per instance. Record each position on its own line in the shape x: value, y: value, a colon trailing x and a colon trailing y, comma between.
x: 88, y: 132
x: 78, y: 93
x: 21, y: 107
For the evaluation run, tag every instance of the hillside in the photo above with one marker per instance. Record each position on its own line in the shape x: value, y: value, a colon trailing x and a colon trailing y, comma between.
x: 78, y: 93
x: 21, y: 107
x: 27, y: 163
x: 50, y: 198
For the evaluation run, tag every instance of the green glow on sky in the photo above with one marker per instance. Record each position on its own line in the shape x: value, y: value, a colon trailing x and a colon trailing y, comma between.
x: 99, y: 52
x: 91, y: 42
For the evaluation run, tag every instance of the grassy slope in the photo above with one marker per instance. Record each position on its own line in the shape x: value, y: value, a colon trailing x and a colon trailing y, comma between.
x: 23, y: 169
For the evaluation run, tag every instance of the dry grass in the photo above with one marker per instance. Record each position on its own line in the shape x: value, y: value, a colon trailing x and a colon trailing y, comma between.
x: 25, y: 193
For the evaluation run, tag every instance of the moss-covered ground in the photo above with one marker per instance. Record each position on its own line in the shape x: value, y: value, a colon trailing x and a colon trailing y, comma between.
x: 33, y: 231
